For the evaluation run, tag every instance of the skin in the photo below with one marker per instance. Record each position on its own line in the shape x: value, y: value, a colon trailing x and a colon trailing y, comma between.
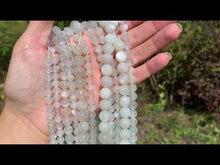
x: 23, y: 119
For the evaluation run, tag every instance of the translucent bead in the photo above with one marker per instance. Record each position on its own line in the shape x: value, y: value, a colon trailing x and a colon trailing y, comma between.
x: 133, y: 113
x: 58, y: 118
x: 98, y: 49
x: 110, y: 28
x: 67, y: 121
x: 69, y: 138
x: 133, y: 96
x: 83, y: 116
x: 50, y: 115
x: 60, y: 132
x: 124, y: 90
x: 80, y: 83
x: 76, y: 26
x: 83, y: 137
x: 81, y: 104
x: 123, y: 27
x: 64, y: 94
x: 105, y: 104
x: 108, y: 48
x: 124, y: 142
x: 133, y: 87
x: 105, y: 93
x: 81, y: 93
x: 107, y: 58
x: 56, y: 104
x: 133, y: 122
x: 103, y: 138
x: 125, y: 112
x: 107, y: 70
x: 60, y: 140
x: 133, y: 139
x: 133, y: 130
x: 56, y: 30
x: 100, y: 58
x: 68, y: 130
x: 133, y: 104
x: 124, y: 134
x: 124, y: 123
x: 110, y: 38
x: 125, y: 101
x: 119, y: 45
x: 79, y: 71
x: 121, y: 56
x: 123, y: 78
x: 106, y: 81
x: 68, y: 31
x: 83, y: 126
x: 122, y: 67
x: 73, y: 97
x: 104, y: 116
x: 65, y: 102
x: 104, y: 127
x: 78, y: 60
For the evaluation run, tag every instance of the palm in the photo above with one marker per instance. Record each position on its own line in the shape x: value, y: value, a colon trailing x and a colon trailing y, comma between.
x: 24, y: 86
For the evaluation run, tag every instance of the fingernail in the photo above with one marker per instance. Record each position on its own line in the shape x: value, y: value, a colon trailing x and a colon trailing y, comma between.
x: 180, y: 26
x: 170, y: 56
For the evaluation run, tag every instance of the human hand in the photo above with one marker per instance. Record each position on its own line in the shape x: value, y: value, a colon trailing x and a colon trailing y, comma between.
x: 24, y: 86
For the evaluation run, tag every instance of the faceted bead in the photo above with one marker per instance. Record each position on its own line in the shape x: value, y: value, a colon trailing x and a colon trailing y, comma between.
x: 123, y: 78
x: 125, y: 101
x: 107, y: 70
x: 105, y: 104
x: 119, y: 45
x: 81, y: 104
x: 124, y: 134
x: 125, y: 112
x: 124, y: 90
x: 83, y: 126
x: 109, y: 38
x: 106, y: 81
x: 69, y: 138
x: 122, y: 67
x: 124, y: 123
x: 104, y: 116
x: 108, y: 48
x: 107, y: 58
x: 110, y: 28
x: 105, y: 93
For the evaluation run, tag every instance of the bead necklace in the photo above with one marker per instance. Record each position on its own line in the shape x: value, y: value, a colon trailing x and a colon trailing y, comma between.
x: 69, y: 87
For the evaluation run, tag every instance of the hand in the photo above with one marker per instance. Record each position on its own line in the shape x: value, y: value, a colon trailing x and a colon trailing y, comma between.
x: 24, y: 86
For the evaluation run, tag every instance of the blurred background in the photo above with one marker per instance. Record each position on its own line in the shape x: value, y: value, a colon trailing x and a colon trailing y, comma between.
x: 178, y: 105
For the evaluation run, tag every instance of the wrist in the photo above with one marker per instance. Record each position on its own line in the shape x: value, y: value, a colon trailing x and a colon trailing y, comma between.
x: 16, y: 129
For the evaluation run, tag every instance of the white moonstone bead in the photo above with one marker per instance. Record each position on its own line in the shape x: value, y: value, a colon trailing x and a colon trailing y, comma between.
x: 65, y: 102
x: 80, y: 82
x: 124, y: 142
x: 68, y: 130
x: 124, y: 123
x: 121, y: 56
x: 105, y: 104
x: 105, y: 93
x: 104, y: 127
x: 84, y: 137
x: 106, y: 81
x: 133, y: 122
x: 98, y: 49
x: 104, y: 138
x: 125, y: 101
x: 107, y: 70
x: 78, y: 60
x: 81, y: 104
x: 122, y: 67
x: 110, y: 38
x: 124, y: 134
x: 60, y: 132
x: 110, y: 28
x: 125, y: 112
x: 60, y: 140
x: 108, y: 48
x: 119, y: 45
x: 124, y: 90
x: 64, y: 94
x: 104, y: 116
x: 83, y: 116
x: 83, y: 126
x: 79, y: 71
x: 81, y: 93
x: 123, y: 78
x: 107, y: 58
x: 76, y: 26
x: 133, y: 139
x: 67, y: 121
x: 69, y: 138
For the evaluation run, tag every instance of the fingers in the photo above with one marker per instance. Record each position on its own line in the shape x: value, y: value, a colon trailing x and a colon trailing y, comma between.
x: 151, y: 67
x: 132, y: 24
x: 144, y: 31
x: 40, y: 29
x: 160, y: 40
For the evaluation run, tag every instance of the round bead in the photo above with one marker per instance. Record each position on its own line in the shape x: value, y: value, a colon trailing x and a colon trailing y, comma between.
x: 78, y: 60
x: 125, y: 112
x: 105, y: 93
x: 104, y: 138
x: 79, y: 71
x: 124, y: 123
x: 69, y: 138
x: 110, y: 28
x: 80, y: 82
x: 104, y: 116
x: 122, y: 67
x: 119, y: 45
x: 78, y: 50
x: 108, y: 48
x: 98, y: 49
x: 105, y: 104
x: 68, y: 130
x: 121, y: 56
x: 124, y: 134
x: 81, y: 93
x: 107, y: 58
x: 83, y: 126
x: 64, y: 94
x: 83, y: 137
x: 104, y: 127
x: 82, y: 116
x: 124, y: 90
x: 81, y: 104
x: 125, y: 101
x: 106, y: 81
x: 124, y: 142
x: 107, y: 70
x: 123, y: 78
x: 109, y: 38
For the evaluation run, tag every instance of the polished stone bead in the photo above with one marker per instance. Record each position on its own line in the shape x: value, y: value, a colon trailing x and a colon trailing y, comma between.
x: 81, y: 104
x: 124, y: 90
x: 64, y: 94
x: 69, y: 138
x: 105, y: 104
x: 81, y: 93
x: 125, y: 101
x: 65, y: 102
x: 121, y: 56
x: 124, y: 123
x: 108, y: 48
x: 123, y: 78
x: 104, y: 116
x: 107, y: 70
x: 122, y: 67
x: 119, y: 45
x: 83, y: 126
x: 106, y: 81
x: 125, y: 112
x: 124, y: 134
x: 110, y: 38
x: 78, y: 60
x: 68, y: 130
x: 110, y: 28
x: 105, y: 93
x: 107, y: 58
